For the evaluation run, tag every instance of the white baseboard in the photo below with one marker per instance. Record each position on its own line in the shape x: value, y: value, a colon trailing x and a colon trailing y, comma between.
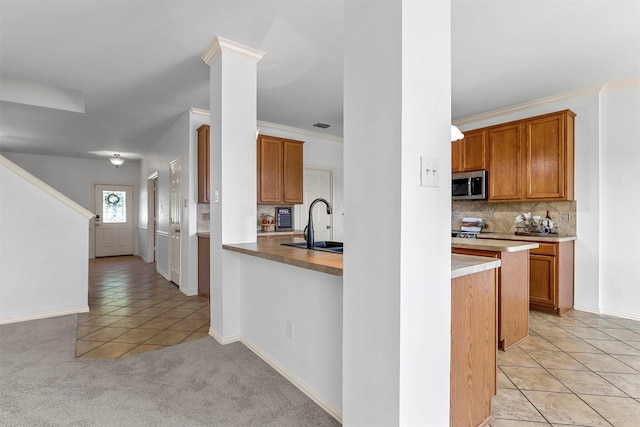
x: 45, y: 315
x: 621, y: 314
x: 188, y: 292
x: 588, y: 309
x: 222, y: 341
x: 321, y: 401
x: 630, y: 316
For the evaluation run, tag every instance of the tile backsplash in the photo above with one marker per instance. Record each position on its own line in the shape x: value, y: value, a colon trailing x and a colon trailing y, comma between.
x: 203, y: 217
x: 500, y: 217
x: 268, y: 210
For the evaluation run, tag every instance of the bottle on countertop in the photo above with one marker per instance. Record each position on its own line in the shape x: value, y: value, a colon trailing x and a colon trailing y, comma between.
x: 547, y: 223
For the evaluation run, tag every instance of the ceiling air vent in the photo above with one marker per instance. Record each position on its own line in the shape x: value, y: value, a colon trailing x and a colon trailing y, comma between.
x: 322, y: 125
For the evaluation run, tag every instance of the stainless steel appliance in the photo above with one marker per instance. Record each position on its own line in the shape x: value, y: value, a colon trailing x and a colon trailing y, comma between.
x: 469, y: 185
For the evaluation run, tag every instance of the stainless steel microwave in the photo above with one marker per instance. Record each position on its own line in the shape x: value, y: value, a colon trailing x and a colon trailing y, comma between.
x: 469, y: 185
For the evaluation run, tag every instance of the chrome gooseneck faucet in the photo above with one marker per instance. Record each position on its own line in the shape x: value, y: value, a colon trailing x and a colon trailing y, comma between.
x: 310, y: 237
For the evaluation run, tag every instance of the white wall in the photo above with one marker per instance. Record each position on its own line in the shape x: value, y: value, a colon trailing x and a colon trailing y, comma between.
x: 44, y: 269
x: 179, y: 142
x: 322, y: 152
x: 620, y: 199
x: 76, y: 177
x: 272, y: 293
x: 597, y: 142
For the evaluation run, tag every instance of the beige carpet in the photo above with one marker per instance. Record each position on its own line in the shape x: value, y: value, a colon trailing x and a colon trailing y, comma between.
x: 197, y: 383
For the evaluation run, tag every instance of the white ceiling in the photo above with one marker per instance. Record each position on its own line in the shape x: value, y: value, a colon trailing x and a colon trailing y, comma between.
x: 138, y: 62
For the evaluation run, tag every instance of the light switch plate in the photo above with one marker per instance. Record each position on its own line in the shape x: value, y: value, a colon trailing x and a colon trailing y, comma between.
x: 429, y: 172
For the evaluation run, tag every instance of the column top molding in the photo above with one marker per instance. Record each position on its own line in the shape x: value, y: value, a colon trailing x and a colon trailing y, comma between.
x: 219, y: 45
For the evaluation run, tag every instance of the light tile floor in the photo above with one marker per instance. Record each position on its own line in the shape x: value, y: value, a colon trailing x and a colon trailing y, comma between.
x: 580, y: 369
x: 134, y: 309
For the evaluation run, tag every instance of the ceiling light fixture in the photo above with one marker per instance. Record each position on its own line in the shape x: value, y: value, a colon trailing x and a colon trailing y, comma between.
x: 456, y: 134
x: 116, y: 160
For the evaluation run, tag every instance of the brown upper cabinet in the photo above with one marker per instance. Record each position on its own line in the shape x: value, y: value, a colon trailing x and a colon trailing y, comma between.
x: 549, y: 156
x: 505, y: 162
x: 470, y: 153
x: 203, y: 164
x: 280, y: 170
x: 529, y: 159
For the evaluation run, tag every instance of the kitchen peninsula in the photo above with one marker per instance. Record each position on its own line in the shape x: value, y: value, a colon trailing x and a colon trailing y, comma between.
x: 291, y: 316
x: 513, y: 283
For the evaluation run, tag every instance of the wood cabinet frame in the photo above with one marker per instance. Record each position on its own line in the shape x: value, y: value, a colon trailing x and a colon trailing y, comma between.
x: 529, y: 159
x: 470, y: 153
x: 203, y: 164
x: 280, y: 170
x: 552, y: 277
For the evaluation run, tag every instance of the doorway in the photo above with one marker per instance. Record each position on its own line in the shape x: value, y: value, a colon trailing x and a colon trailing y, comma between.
x: 113, y: 205
x: 175, y: 209
x: 151, y: 254
x: 318, y: 183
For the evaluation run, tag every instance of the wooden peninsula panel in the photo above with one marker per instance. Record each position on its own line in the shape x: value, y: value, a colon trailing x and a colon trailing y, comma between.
x: 204, y: 271
x: 473, y: 348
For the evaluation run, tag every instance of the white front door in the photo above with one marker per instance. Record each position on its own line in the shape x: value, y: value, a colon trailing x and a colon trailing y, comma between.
x: 318, y: 184
x: 113, y: 205
x: 174, y: 220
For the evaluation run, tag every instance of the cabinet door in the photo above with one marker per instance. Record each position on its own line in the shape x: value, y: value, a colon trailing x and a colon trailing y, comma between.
x: 270, y: 169
x: 546, y: 158
x: 456, y: 156
x: 505, y: 167
x: 203, y: 164
x: 204, y: 273
x: 542, y: 284
x: 474, y: 150
x: 293, y: 172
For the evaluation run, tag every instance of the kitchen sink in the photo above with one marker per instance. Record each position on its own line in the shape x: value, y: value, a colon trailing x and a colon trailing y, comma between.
x: 326, y: 246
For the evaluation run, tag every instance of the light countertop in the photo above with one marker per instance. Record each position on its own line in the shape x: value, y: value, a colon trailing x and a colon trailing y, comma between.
x: 463, y: 265
x: 557, y: 238
x: 492, y: 245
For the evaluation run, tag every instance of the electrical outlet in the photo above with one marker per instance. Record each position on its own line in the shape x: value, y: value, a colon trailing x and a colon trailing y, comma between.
x: 457, y: 215
x: 487, y: 215
x: 565, y: 217
x: 290, y: 328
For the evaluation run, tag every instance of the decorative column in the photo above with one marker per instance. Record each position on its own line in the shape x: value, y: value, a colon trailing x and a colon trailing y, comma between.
x: 233, y: 112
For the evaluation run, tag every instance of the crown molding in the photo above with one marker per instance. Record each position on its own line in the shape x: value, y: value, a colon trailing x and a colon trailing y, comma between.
x: 200, y: 112
x: 620, y: 84
x: 527, y: 105
x: 300, y: 131
x: 219, y: 45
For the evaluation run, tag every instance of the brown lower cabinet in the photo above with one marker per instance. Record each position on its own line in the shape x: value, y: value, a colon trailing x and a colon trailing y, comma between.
x: 473, y: 348
x: 204, y: 260
x: 551, y: 284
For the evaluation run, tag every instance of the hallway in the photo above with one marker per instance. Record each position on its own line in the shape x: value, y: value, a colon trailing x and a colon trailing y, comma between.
x: 133, y: 309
